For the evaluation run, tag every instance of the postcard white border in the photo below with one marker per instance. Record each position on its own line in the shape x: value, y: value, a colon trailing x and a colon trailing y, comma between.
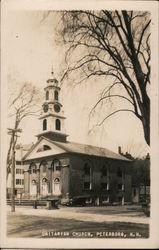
x: 151, y: 242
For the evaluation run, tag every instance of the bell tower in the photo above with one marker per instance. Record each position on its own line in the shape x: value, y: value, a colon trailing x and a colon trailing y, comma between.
x: 52, y: 116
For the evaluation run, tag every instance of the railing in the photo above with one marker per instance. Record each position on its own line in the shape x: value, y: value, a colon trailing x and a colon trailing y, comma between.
x: 27, y: 202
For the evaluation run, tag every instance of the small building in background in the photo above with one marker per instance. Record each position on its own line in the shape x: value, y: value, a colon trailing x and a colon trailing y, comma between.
x: 20, y: 151
x: 140, y: 173
x: 141, y: 180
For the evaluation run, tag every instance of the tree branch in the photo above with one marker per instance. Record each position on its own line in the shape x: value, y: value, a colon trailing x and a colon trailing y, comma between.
x: 113, y: 113
x: 142, y: 35
x: 110, y: 96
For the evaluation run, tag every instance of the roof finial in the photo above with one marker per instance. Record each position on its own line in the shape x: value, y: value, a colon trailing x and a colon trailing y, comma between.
x: 52, y: 80
x: 52, y: 72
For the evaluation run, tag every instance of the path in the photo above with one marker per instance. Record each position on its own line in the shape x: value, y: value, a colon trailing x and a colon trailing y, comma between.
x: 67, y: 213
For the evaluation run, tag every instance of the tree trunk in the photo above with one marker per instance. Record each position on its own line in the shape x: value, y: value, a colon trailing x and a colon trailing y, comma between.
x: 146, y: 118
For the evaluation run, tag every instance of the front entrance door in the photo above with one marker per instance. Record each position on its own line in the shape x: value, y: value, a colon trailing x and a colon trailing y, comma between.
x: 56, y: 187
x: 33, y: 188
x: 44, y: 187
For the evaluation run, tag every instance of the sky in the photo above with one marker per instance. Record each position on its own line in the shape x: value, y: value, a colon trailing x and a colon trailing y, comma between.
x: 32, y: 51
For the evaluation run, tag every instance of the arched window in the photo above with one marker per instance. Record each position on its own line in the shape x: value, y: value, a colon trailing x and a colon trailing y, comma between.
x: 44, y: 124
x: 56, y: 164
x: 46, y: 147
x: 43, y: 166
x: 56, y: 95
x: 43, y: 148
x: 32, y: 168
x: 47, y: 95
x: 56, y: 180
x: 58, y: 124
x: 44, y: 180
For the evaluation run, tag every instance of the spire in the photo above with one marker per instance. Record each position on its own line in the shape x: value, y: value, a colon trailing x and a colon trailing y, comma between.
x: 52, y: 80
x: 52, y: 71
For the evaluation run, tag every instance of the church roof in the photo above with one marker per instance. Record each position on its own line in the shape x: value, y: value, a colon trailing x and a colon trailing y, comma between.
x: 73, y: 147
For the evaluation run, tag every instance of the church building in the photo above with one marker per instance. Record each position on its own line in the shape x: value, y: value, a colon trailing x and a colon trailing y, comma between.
x: 57, y: 168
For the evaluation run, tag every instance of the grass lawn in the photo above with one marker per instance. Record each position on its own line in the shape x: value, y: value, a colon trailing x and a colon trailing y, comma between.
x: 33, y: 226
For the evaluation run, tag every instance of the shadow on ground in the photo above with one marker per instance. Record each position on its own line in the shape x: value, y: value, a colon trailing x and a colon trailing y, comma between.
x: 32, y: 226
x: 133, y: 211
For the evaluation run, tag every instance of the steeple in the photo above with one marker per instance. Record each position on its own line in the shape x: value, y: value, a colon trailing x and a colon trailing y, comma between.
x: 52, y: 80
x: 52, y: 116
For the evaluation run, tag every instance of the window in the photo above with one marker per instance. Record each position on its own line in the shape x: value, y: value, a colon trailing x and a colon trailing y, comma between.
x: 44, y: 124
x: 22, y: 181
x: 17, y: 171
x: 32, y: 168
x: 57, y: 180
x: 104, y: 171
x: 134, y: 191
x: 44, y: 180
x: 56, y: 95
x: 46, y: 147
x: 104, y: 186
x: 18, y: 163
x: 47, y: 95
x: 43, y: 166
x: 87, y: 176
x: 34, y: 171
x: 58, y: 124
x: 56, y: 165
x: 87, y: 185
x: 43, y: 148
x: 120, y: 186
x: 19, y: 181
x: 119, y: 172
x: 87, y: 169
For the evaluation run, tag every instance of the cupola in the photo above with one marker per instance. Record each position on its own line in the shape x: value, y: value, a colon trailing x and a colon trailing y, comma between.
x: 52, y: 116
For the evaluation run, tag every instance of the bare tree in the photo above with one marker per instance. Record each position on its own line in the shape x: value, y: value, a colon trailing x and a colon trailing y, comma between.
x: 24, y: 104
x: 116, y: 45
